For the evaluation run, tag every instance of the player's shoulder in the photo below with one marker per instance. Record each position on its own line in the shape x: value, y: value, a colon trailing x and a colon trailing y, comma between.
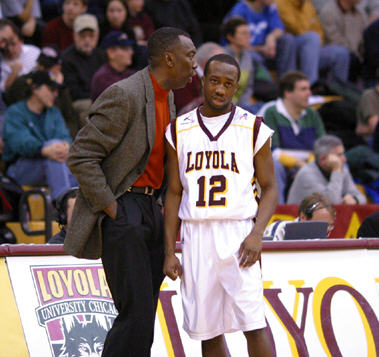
x: 244, y: 118
x: 187, y: 120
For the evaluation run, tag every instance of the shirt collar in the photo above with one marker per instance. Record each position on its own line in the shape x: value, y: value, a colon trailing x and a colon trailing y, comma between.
x: 280, y: 107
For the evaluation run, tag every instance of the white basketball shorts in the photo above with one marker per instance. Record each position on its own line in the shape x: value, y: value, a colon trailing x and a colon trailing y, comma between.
x: 218, y: 296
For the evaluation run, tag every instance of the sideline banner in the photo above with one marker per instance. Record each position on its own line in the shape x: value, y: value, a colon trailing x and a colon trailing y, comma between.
x: 318, y: 303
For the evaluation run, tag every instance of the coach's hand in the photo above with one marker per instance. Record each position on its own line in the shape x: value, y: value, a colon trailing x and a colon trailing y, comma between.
x: 172, y: 267
x: 250, y: 250
x: 111, y: 210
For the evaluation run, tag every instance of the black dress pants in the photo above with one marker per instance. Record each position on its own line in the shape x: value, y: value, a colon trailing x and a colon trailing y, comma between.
x: 133, y: 255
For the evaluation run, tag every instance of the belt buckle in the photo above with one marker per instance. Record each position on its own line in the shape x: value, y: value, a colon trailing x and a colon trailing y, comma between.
x: 148, y: 190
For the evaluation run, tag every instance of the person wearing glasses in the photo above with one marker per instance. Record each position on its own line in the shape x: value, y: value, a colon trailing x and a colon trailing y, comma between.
x: 315, y: 207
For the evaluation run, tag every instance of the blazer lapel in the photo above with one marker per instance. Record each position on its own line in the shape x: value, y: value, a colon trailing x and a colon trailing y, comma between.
x: 150, y: 108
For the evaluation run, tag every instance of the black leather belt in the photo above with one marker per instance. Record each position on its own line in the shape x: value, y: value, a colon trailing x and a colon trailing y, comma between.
x: 147, y: 190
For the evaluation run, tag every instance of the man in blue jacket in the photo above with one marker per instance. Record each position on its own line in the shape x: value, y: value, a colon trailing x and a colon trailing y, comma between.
x: 36, y: 140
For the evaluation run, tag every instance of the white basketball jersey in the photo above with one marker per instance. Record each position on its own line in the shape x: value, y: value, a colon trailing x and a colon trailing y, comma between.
x: 217, y: 171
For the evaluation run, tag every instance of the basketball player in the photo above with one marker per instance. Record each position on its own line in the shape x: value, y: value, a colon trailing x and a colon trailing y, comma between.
x: 217, y: 156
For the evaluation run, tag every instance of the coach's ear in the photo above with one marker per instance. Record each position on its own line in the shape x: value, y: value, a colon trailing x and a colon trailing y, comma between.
x: 170, y: 59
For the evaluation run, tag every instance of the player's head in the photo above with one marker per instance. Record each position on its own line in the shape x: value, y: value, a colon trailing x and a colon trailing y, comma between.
x: 172, y: 50
x: 317, y: 207
x: 220, y: 82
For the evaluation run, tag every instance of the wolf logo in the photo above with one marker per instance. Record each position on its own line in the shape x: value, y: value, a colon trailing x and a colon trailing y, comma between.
x: 84, y: 338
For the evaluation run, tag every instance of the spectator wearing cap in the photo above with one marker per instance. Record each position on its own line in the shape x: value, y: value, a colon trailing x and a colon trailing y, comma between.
x: 81, y: 61
x: 48, y: 60
x: 19, y: 58
x: 59, y: 31
x: 36, y: 140
x: 119, y: 51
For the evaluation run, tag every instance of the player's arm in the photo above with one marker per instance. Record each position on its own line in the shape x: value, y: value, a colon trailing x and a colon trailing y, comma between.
x: 251, y: 247
x: 172, y: 267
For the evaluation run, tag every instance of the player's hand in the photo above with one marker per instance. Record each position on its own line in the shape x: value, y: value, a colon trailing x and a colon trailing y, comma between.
x: 250, y: 250
x: 172, y: 267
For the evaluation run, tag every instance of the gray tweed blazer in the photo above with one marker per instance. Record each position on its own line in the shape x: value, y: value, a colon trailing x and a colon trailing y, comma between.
x: 108, y: 155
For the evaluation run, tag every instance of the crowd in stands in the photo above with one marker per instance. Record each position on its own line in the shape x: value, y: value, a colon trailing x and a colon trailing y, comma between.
x: 309, y: 67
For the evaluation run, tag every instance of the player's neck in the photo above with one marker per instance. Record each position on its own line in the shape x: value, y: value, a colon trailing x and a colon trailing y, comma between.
x: 210, y: 112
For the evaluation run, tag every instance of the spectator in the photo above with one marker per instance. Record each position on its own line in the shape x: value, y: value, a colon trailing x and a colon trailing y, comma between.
x: 139, y: 21
x: 36, y: 140
x: 26, y: 15
x: 328, y: 174
x: 270, y: 43
x: 296, y: 126
x: 368, y: 112
x: 81, y: 61
x: 19, y: 58
x: 174, y: 13
x: 315, y: 207
x: 116, y: 19
x: 119, y: 57
x: 369, y: 227
x: 343, y: 25
x: 300, y: 19
x: 369, y: 7
x: 237, y: 34
x: 59, y: 31
x: 48, y: 60
x: 64, y: 206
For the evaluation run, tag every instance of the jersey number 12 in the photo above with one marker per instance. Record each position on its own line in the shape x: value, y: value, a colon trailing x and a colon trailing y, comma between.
x: 218, y: 185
